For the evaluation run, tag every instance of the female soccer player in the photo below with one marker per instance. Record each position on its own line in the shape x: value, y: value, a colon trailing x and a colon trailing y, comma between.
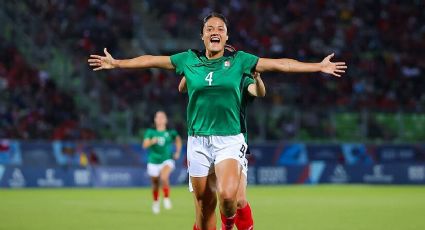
x: 161, y: 158
x: 251, y: 89
x: 214, y: 125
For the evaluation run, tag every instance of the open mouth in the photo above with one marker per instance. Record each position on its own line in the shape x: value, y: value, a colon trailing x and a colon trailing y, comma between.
x: 215, y: 40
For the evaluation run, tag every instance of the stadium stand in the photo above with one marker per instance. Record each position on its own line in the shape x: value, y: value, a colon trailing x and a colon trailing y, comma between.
x: 381, y: 98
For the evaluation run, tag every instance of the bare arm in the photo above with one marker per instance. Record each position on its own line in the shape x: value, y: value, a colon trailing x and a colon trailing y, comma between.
x: 183, y: 85
x: 258, y: 89
x: 179, y: 145
x: 149, y: 142
x: 294, y: 66
x: 146, y: 61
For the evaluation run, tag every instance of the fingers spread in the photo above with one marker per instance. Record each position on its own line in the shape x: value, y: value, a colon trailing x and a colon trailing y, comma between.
x: 106, y: 51
x: 93, y: 60
x: 96, y: 56
x: 98, y: 68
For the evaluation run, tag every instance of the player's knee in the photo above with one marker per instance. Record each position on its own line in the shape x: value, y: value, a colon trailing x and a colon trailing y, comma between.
x: 227, y: 195
x: 242, y: 202
x: 228, y: 206
x: 164, y: 181
x: 207, y: 205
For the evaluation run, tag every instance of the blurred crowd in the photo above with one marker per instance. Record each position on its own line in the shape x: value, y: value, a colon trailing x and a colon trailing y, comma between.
x: 32, y: 107
x: 382, y: 42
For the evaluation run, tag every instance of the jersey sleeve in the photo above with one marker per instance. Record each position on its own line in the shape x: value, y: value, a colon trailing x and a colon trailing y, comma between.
x: 148, y: 134
x: 247, y: 81
x: 247, y: 96
x: 249, y: 61
x: 179, y: 60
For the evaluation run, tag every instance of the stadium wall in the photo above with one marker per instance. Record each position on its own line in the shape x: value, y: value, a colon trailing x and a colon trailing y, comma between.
x: 60, y: 164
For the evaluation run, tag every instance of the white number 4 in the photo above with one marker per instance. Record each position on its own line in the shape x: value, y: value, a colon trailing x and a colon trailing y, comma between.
x: 209, y: 78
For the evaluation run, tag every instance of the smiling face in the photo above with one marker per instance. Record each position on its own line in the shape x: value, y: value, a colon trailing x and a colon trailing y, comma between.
x: 214, y: 35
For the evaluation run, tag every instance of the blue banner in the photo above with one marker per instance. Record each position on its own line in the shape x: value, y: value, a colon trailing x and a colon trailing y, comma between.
x: 314, y: 173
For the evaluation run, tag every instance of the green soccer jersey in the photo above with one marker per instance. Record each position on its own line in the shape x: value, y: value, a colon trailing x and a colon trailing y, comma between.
x: 162, y: 150
x: 215, y: 90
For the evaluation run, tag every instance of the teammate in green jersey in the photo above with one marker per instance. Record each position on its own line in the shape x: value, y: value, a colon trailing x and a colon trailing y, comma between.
x: 159, y: 143
x: 215, y: 143
x: 251, y: 89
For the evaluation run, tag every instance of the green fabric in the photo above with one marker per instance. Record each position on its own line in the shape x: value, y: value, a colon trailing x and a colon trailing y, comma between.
x: 163, y: 149
x: 215, y: 90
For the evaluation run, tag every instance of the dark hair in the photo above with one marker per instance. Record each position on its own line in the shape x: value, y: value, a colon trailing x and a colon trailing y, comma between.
x: 230, y: 48
x: 213, y: 15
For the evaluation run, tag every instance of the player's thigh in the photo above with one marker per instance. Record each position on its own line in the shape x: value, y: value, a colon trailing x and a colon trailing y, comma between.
x: 205, y: 199
x: 230, y: 161
x: 167, y: 167
x: 203, y: 189
x: 228, y: 175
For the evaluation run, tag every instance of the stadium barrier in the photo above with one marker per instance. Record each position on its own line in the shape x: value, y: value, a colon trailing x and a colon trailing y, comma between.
x: 61, y: 164
x: 313, y: 173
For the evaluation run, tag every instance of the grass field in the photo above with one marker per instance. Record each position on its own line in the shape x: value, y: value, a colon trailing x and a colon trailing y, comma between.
x: 287, y: 207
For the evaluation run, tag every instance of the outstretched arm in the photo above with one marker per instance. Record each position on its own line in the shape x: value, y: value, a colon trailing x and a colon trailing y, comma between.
x: 146, y: 61
x: 291, y: 65
x: 258, y: 89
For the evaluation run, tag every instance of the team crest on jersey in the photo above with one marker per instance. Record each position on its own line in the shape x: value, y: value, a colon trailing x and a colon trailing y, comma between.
x: 226, y: 64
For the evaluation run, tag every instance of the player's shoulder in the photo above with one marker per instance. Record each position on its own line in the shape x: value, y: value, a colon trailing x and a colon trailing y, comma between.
x: 172, y: 131
x: 184, y: 54
x: 189, y: 54
x: 150, y: 130
x: 243, y: 53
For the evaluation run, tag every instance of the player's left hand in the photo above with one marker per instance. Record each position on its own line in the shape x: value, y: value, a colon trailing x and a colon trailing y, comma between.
x: 334, y: 68
x: 102, y: 62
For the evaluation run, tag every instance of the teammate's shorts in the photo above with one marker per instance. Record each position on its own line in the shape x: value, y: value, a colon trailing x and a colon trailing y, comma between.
x: 204, y: 152
x: 155, y: 169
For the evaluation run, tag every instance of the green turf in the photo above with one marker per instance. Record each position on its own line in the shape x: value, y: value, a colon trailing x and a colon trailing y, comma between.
x: 286, y: 207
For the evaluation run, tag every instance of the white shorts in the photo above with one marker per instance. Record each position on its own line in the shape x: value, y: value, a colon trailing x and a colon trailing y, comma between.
x: 203, y: 152
x: 155, y: 169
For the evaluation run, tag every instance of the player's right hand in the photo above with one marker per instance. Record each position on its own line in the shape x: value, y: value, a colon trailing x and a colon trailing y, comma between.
x: 256, y: 74
x: 102, y: 62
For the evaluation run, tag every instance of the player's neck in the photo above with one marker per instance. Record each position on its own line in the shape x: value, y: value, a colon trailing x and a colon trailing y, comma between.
x: 161, y: 127
x: 214, y: 55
